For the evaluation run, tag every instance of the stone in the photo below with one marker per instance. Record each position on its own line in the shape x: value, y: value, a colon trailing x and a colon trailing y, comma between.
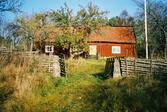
x: 117, y: 69
x: 56, y: 67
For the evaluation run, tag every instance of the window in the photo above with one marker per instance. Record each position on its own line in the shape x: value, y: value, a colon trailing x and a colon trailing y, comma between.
x: 92, y: 50
x: 116, y: 49
x: 49, y: 49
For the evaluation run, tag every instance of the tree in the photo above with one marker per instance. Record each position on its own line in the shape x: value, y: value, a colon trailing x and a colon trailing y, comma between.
x: 157, y: 21
x: 76, y: 28
x: 124, y: 14
x: 7, y: 6
x: 123, y: 20
x: 70, y: 31
x: 91, y: 18
x: 11, y: 29
x: 27, y: 29
x: 10, y: 6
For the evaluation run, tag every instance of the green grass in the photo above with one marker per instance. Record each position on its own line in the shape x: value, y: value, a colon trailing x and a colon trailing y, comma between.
x: 81, y: 91
x: 82, y: 66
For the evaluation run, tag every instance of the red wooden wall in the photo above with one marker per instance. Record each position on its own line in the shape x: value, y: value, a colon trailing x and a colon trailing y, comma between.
x: 105, y: 49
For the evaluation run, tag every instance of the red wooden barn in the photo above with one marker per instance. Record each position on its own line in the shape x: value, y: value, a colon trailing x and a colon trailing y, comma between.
x: 113, y: 42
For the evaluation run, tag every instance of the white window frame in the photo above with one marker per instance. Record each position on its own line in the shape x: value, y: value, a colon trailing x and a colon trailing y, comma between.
x: 47, y: 48
x: 116, y: 49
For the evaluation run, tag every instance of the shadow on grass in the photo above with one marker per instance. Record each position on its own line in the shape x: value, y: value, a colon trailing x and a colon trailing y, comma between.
x: 108, y: 71
x: 102, y: 76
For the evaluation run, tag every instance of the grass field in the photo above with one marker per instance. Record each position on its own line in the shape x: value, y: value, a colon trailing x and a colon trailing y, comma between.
x: 27, y: 89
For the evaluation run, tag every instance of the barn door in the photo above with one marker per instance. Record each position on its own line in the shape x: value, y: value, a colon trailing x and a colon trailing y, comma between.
x: 92, y: 50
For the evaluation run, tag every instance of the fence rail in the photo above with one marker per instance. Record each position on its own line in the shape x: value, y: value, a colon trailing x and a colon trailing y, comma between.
x: 143, y: 66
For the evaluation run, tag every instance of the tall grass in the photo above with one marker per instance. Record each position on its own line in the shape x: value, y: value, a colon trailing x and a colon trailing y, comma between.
x: 19, y: 76
x: 137, y: 94
x: 24, y: 87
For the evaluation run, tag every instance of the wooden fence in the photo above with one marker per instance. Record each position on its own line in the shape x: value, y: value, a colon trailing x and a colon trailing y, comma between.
x: 46, y: 62
x: 51, y: 63
x: 143, y: 66
x: 62, y: 65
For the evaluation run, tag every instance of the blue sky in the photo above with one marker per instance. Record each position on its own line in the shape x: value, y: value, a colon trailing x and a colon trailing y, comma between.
x: 115, y: 7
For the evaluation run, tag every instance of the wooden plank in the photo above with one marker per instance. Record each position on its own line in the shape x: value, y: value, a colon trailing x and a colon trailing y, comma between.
x: 126, y: 64
x: 160, y: 64
x: 143, y: 66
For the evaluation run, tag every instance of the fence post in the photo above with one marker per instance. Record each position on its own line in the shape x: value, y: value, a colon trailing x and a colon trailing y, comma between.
x: 126, y: 64
x: 151, y: 66
x: 49, y: 62
x: 117, y: 68
x: 62, y: 65
x: 135, y: 66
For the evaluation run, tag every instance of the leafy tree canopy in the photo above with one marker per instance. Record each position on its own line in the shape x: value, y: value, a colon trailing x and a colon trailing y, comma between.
x: 123, y: 20
x: 157, y: 25
x: 10, y: 5
x: 68, y: 30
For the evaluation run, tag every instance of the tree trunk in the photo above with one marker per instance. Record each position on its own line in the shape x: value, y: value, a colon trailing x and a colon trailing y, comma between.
x: 166, y: 49
x: 31, y: 46
x: 152, y: 53
x: 70, y: 53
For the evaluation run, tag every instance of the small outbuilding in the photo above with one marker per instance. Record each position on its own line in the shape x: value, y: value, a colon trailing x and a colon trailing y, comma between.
x: 45, y: 41
x: 113, y: 42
